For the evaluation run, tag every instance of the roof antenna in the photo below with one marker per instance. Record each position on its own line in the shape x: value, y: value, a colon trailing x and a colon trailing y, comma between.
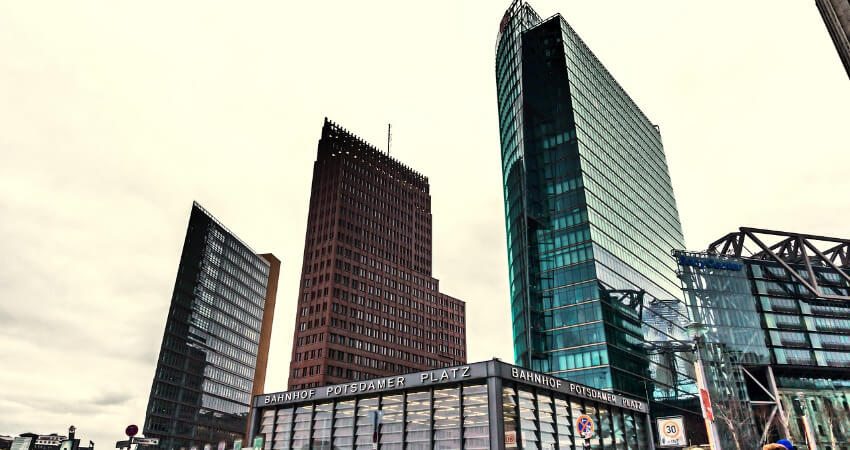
x: 389, y: 137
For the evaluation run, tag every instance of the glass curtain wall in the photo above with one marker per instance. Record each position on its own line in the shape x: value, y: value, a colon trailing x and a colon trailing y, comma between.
x: 589, y: 208
x: 516, y: 20
x: 418, y: 420
x: 476, y: 418
x: 205, y: 373
x: 803, y: 330
x: 722, y: 303
x: 446, y: 418
x: 547, y: 421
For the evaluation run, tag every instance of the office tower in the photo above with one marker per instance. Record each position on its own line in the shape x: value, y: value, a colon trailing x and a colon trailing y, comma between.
x: 836, y: 16
x: 368, y: 305
x: 216, y: 341
x: 589, y: 208
x: 773, y: 308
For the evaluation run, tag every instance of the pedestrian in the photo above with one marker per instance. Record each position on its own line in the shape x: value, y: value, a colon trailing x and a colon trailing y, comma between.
x: 786, y: 443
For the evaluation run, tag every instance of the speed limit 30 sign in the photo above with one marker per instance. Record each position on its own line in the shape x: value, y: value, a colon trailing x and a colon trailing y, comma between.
x: 671, y: 431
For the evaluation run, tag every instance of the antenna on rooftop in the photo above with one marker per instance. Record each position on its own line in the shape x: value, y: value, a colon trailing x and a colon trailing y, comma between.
x: 389, y: 137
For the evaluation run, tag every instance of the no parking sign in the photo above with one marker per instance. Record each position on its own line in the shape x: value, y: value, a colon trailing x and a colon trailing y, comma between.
x: 585, y: 426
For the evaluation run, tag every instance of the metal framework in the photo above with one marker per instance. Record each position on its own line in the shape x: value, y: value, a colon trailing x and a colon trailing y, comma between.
x: 793, y: 248
x: 629, y: 298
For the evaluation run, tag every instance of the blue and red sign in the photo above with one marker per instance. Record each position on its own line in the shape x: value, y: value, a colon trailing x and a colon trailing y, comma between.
x: 132, y: 430
x: 584, y: 425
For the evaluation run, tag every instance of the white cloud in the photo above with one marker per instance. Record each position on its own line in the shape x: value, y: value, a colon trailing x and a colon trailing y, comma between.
x: 115, y: 116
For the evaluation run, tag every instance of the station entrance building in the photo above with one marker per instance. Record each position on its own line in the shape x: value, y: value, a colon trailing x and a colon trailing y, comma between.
x: 482, y: 405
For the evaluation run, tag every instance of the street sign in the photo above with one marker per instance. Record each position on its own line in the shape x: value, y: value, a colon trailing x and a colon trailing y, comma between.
x: 132, y: 430
x: 707, y: 412
x: 510, y: 439
x: 146, y: 441
x: 237, y: 444
x: 671, y: 431
x: 122, y: 444
x: 585, y: 426
x: 258, y: 442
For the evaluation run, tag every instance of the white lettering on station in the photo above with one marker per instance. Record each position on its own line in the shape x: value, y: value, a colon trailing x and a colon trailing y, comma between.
x: 338, y: 389
x: 365, y: 386
x: 290, y: 396
x: 537, y: 378
x: 633, y: 404
x: 594, y: 394
x: 576, y: 389
x: 450, y: 375
x: 438, y: 376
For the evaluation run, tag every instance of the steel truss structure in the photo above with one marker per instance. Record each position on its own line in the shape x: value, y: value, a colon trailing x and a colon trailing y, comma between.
x: 793, y: 248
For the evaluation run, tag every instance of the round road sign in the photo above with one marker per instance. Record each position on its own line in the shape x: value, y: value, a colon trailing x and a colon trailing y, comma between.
x: 132, y: 430
x: 584, y: 425
x: 670, y: 428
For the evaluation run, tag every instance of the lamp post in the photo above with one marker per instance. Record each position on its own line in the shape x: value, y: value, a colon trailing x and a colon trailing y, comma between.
x: 71, y: 430
x: 695, y: 333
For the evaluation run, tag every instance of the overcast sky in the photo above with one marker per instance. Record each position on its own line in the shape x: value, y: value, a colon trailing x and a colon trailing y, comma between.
x: 114, y: 116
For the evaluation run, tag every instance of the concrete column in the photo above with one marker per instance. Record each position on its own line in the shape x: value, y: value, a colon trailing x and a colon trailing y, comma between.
x: 496, y: 415
x: 256, y: 416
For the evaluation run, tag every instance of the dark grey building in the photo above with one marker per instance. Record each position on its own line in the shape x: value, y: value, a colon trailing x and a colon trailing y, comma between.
x: 485, y: 405
x: 590, y: 214
x: 836, y: 16
x: 215, y: 346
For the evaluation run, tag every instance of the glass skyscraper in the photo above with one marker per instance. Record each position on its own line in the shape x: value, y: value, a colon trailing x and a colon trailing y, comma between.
x: 216, y: 341
x: 589, y: 209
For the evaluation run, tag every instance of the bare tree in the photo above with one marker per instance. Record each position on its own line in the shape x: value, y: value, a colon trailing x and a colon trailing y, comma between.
x: 835, y: 417
x: 735, y: 420
x: 768, y: 418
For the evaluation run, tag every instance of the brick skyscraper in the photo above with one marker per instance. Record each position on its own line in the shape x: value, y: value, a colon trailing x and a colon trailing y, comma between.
x: 368, y: 306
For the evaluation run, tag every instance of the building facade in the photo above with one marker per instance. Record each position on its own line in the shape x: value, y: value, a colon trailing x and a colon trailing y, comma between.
x: 836, y: 16
x: 368, y: 305
x: 485, y: 405
x: 589, y: 211
x: 215, y: 345
x: 49, y: 442
x: 775, y: 313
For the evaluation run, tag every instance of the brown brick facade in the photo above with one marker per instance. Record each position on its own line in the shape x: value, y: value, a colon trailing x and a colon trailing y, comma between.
x: 367, y: 305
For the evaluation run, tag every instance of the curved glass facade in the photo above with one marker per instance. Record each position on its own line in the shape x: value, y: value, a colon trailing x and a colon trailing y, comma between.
x: 517, y: 19
x: 589, y: 208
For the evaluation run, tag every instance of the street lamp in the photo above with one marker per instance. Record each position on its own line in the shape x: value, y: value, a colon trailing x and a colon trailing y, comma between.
x: 71, y: 430
x: 695, y: 332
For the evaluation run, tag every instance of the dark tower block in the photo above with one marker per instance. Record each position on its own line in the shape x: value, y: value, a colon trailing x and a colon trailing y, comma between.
x: 216, y: 341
